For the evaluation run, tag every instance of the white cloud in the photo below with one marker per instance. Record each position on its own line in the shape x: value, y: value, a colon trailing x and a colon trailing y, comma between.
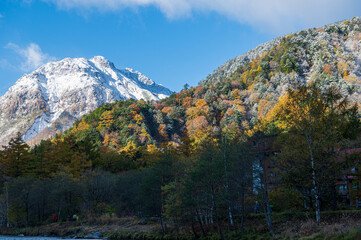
x: 268, y: 15
x: 171, y: 8
x: 32, y: 56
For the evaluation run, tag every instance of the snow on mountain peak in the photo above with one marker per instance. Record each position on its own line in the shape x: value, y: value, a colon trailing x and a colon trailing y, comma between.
x: 102, y: 61
x: 56, y: 94
x: 99, y: 59
x: 129, y: 72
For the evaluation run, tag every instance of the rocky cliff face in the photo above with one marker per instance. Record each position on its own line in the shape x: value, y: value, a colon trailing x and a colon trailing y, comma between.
x: 51, y: 98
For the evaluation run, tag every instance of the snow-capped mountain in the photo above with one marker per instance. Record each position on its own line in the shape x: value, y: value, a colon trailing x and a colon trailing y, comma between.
x: 52, y: 97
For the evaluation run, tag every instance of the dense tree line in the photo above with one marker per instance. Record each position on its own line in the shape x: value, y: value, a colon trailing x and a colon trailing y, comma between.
x: 203, y: 188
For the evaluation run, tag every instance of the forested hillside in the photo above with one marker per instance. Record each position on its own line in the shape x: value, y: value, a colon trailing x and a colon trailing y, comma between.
x: 236, y: 100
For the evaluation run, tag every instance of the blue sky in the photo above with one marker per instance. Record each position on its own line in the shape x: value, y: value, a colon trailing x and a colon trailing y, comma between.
x: 171, y: 41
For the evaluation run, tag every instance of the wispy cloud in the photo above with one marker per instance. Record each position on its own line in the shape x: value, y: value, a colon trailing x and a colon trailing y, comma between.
x: 31, y: 56
x: 269, y: 15
x: 171, y: 8
x: 1, y: 16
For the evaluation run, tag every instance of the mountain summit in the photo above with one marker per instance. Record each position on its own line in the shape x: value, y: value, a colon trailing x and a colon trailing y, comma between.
x: 56, y: 94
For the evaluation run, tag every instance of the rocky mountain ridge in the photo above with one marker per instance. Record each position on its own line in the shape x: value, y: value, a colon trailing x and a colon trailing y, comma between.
x: 329, y: 55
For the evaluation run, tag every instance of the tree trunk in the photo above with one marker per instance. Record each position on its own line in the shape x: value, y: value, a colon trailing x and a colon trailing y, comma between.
x: 199, y: 217
x: 230, y: 215
x: 193, y: 229
x: 27, y: 214
x: 334, y: 197
x: 162, y: 224
x: 217, y: 218
x: 243, y: 209
x: 347, y: 190
x: 59, y: 212
x: 7, y: 205
x: 304, y: 203
x: 315, y: 187
x: 206, y: 216
x: 176, y: 224
x: 267, y: 210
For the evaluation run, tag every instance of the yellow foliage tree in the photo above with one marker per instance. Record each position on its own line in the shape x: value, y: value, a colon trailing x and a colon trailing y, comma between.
x: 201, y: 109
x: 239, y: 106
x: 263, y: 107
x: 106, y: 119
x: 144, y: 136
x: 78, y: 164
x: 167, y: 110
x: 162, y: 130
x: 198, y: 129
x: 130, y: 148
x: 235, y: 94
x: 150, y: 156
x: 81, y: 126
x: 111, y: 141
x: 138, y: 119
x: 187, y: 102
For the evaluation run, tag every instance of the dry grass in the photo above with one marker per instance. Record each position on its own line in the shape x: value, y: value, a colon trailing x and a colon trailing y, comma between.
x: 106, y: 224
x: 328, y: 229
x: 286, y: 226
x: 111, y: 223
x: 309, y: 227
x: 109, y: 219
x: 343, y: 226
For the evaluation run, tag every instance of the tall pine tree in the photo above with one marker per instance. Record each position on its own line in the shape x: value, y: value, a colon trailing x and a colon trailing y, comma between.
x: 15, y: 158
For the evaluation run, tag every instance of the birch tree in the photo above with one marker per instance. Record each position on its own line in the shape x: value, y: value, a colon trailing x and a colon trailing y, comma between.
x: 316, y: 123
